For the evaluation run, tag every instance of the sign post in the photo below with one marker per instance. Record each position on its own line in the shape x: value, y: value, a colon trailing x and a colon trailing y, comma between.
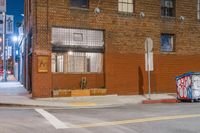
x: 149, y: 61
x: 3, y: 12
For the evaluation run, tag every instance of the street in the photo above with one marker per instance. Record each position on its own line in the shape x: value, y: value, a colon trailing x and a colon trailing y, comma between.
x: 137, y: 118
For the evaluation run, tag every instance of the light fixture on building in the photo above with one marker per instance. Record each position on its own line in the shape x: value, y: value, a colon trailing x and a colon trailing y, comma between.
x: 70, y: 53
x: 142, y: 14
x: 97, y: 10
x: 182, y: 18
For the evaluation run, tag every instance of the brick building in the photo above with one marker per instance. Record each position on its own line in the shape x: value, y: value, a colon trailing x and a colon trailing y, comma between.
x: 104, y: 42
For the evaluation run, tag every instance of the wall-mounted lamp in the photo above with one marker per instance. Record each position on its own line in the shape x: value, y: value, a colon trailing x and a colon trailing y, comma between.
x: 70, y: 52
x: 142, y: 14
x: 97, y: 10
x: 181, y: 18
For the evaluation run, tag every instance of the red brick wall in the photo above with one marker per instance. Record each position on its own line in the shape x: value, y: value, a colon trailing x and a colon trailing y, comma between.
x: 122, y: 73
x: 72, y: 81
x: 41, y: 82
x: 167, y: 67
x: 125, y: 74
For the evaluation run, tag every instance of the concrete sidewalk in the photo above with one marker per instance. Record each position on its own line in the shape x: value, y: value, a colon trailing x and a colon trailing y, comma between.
x: 13, y: 93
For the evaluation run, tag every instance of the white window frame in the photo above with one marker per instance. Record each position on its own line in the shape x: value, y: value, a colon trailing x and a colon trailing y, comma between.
x: 126, y: 6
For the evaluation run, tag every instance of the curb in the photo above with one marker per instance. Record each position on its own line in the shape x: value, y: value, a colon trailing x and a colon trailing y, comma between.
x: 160, y: 101
x: 66, y: 107
x: 23, y: 105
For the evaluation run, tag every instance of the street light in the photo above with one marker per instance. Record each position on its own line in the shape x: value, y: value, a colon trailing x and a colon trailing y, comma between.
x: 15, y: 40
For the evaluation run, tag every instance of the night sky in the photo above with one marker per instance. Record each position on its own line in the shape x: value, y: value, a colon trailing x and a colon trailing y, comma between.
x: 16, y: 8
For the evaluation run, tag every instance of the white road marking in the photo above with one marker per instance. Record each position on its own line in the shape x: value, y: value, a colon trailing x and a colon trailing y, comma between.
x: 52, y: 119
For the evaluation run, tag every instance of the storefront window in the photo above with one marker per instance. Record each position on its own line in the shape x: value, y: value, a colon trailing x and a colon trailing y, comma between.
x: 77, y: 50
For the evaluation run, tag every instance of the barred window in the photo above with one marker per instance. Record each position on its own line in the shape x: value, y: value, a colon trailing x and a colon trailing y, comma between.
x: 77, y: 62
x: 167, y: 42
x: 168, y: 8
x: 60, y: 62
x: 79, y: 3
x: 77, y: 37
x: 198, y: 9
x: 126, y: 6
x: 77, y: 50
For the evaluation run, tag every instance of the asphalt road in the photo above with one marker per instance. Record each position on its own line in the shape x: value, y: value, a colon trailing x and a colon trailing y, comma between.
x: 154, y: 118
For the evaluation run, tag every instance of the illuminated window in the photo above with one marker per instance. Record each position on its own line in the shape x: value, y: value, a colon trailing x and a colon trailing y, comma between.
x: 77, y: 62
x: 125, y: 6
x: 77, y: 50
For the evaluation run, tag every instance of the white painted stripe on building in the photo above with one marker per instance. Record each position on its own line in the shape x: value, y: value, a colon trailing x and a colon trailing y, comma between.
x: 52, y: 119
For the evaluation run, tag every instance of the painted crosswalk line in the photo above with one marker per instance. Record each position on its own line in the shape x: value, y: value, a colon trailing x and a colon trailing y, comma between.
x: 53, y: 120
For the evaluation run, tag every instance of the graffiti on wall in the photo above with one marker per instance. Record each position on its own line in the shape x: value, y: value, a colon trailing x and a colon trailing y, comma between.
x: 184, y: 88
x: 196, y: 86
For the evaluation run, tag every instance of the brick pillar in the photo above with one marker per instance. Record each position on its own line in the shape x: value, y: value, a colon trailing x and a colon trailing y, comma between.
x: 41, y: 57
x: 41, y: 74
